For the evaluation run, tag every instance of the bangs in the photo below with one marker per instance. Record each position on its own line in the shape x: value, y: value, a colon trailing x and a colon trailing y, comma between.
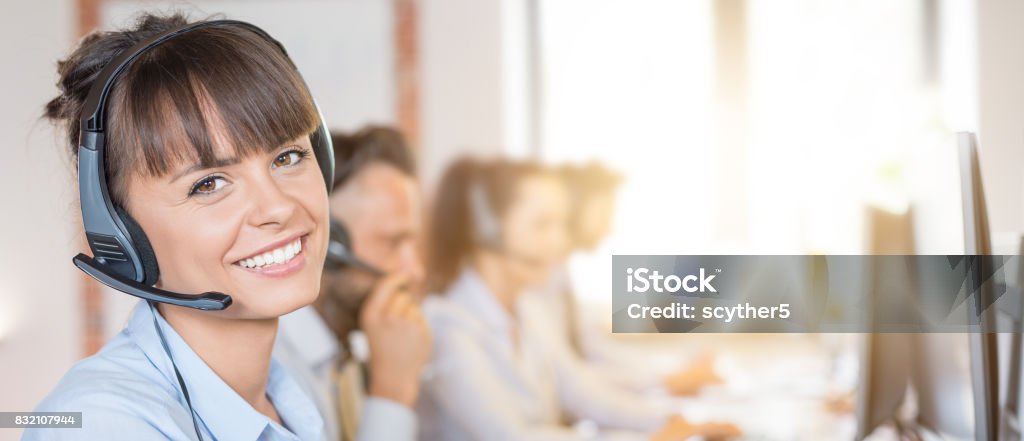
x: 211, y: 93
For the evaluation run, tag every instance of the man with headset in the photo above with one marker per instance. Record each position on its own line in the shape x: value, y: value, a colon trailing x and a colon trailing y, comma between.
x: 360, y: 349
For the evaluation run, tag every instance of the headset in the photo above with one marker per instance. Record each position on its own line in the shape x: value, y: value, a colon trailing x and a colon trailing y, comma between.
x: 123, y: 258
x: 486, y: 226
x: 339, y: 251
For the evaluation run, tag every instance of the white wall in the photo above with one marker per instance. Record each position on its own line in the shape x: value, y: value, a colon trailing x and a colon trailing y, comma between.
x: 1001, y: 133
x: 39, y: 299
x: 342, y: 47
x: 472, y: 80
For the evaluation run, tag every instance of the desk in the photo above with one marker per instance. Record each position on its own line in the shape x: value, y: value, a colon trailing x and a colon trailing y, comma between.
x: 777, y: 386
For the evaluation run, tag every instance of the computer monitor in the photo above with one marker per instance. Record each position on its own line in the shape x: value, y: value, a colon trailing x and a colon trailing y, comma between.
x: 910, y: 380
x: 1013, y: 365
x: 886, y: 360
x: 1010, y: 368
x: 983, y: 343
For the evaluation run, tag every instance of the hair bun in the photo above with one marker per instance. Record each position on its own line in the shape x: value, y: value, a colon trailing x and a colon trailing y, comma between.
x: 78, y: 71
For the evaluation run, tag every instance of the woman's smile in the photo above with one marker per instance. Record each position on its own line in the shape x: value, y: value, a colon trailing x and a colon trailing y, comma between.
x: 280, y: 259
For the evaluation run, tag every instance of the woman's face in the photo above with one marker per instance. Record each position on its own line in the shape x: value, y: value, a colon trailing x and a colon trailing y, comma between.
x: 254, y: 228
x: 533, y: 228
x: 594, y: 221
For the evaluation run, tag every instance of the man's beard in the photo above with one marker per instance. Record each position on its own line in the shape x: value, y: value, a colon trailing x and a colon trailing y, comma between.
x: 342, y: 296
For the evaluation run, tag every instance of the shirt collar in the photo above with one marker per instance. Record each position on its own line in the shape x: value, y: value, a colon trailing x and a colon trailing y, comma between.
x: 308, y: 337
x: 224, y: 413
x: 470, y: 291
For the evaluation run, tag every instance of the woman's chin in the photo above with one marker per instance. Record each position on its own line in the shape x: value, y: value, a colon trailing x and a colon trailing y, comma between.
x: 269, y: 300
x: 267, y: 308
x: 289, y: 286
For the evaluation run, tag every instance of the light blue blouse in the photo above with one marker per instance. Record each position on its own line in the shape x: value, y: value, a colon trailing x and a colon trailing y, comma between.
x: 128, y: 391
x: 485, y: 385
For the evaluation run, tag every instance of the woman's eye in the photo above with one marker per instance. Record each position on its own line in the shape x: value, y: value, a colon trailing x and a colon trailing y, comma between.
x: 208, y: 185
x: 290, y: 157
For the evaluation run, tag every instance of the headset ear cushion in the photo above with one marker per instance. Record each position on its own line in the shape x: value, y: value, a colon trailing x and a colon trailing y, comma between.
x: 323, y: 149
x: 141, y: 243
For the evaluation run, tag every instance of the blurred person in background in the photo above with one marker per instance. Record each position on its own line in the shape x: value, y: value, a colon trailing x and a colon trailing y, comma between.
x: 359, y: 350
x: 498, y: 230
x: 592, y: 190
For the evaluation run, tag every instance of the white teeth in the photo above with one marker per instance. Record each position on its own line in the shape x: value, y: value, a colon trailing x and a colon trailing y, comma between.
x: 281, y: 255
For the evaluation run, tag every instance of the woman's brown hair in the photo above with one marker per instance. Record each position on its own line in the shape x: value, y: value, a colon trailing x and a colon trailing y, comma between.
x: 166, y: 108
x: 453, y: 223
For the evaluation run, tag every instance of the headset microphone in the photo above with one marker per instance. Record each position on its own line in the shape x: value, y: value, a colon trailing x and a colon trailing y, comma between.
x: 211, y: 301
x: 339, y: 250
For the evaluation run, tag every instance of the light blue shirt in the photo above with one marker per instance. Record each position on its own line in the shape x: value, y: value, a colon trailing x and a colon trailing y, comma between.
x: 310, y: 352
x: 128, y: 391
x: 496, y: 376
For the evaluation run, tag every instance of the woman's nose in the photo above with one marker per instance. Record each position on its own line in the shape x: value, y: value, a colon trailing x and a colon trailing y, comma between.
x: 272, y: 206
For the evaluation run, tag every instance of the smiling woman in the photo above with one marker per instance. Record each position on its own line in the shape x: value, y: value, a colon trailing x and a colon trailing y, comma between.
x: 208, y: 145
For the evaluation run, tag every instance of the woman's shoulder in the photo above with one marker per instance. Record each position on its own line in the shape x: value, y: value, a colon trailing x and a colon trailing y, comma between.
x: 445, y: 315
x: 121, y: 395
x: 120, y: 377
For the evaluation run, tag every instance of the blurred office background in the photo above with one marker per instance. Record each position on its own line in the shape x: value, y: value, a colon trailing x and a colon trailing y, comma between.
x: 742, y: 126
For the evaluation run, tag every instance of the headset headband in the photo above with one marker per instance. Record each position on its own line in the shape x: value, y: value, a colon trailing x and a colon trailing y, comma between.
x: 94, y: 110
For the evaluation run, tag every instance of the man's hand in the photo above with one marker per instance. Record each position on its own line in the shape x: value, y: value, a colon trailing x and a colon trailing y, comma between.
x: 399, y: 338
x: 678, y: 429
x: 689, y: 380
